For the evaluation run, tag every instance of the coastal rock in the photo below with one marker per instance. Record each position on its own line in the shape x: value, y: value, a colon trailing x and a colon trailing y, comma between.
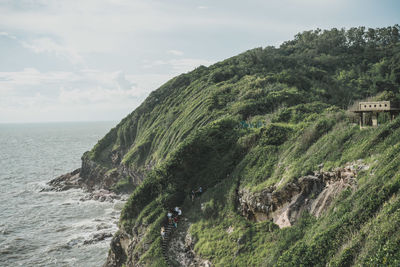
x: 117, y: 255
x: 65, y: 182
x: 101, y: 195
x: 94, y: 177
x: 91, y: 177
x: 97, y: 237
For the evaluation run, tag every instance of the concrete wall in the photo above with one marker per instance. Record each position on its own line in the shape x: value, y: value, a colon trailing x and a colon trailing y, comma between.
x: 374, y: 106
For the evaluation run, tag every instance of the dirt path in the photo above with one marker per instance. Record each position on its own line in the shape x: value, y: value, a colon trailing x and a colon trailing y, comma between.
x: 180, y: 247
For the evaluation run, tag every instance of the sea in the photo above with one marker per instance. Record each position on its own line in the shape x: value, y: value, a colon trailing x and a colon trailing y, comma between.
x: 50, y: 228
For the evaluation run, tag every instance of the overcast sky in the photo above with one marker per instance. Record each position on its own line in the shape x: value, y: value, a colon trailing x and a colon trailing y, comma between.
x: 93, y: 60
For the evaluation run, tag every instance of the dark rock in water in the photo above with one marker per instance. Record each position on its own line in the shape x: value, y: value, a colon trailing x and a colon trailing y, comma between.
x: 101, y: 195
x: 72, y: 243
x: 73, y: 180
x: 97, y: 237
x: 65, y: 182
x: 4, y: 231
x: 103, y: 226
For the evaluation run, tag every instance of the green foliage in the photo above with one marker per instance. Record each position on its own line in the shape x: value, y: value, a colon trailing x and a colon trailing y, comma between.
x: 195, y: 163
x: 210, y: 209
x: 300, y: 113
x: 124, y: 185
x: 333, y: 67
x: 187, y: 134
x: 354, y: 231
x: 275, y: 135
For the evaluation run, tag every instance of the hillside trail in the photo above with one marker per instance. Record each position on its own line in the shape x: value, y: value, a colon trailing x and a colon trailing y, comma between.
x: 165, y: 243
x: 178, y: 247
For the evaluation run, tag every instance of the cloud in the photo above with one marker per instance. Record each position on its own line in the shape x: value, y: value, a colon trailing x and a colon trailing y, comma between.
x: 103, y: 45
x: 97, y: 95
x: 122, y: 82
x: 89, y: 94
x: 106, y: 25
x: 175, y: 52
x: 6, y: 34
x: 188, y: 64
x: 47, y: 45
x: 177, y: 66
x: 90, y: 26
x: 33, y: 77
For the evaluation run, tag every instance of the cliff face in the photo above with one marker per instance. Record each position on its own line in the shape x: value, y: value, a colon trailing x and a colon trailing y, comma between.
x: 267, y: 135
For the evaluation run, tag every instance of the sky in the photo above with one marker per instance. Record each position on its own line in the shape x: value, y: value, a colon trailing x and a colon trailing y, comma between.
x: 97, y: 60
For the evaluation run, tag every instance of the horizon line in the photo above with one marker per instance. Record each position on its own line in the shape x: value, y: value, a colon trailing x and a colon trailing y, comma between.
x: 50, y: 122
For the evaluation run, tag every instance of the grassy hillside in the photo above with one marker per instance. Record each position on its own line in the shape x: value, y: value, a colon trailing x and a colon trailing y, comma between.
x: 265, y: 118
x: 361, y: 227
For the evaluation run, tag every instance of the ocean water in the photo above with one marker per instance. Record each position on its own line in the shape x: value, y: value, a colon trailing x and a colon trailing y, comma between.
x: 50, y: 228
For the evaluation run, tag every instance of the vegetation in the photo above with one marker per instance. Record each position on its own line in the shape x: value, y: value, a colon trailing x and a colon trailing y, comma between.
x: 188, y: 133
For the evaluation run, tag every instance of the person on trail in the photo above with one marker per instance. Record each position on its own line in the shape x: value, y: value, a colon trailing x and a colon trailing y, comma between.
x: 193, y: 195
x: 175, y: 222
x: 162, y: 232
x: 200, y: 190
x: 178, y: 211
x: 169, y: 215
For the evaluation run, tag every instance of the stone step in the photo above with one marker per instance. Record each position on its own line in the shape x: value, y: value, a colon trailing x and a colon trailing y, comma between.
x: 168, y: 232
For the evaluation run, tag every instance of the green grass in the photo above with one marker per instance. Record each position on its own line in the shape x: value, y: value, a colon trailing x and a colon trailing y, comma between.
x: 188, y: 133
x: 354, y: 231
x: 340, y: 237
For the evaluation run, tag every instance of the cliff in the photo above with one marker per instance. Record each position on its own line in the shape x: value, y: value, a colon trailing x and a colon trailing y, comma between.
x: 289, y: 177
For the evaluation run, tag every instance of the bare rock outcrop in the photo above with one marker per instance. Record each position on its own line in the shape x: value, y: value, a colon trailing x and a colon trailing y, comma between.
x: 126, y: 249
x: 93, y: 177
x: 117, y: 254
x: 313, y: 193
x: 181, y: 248
x: 65, y: 181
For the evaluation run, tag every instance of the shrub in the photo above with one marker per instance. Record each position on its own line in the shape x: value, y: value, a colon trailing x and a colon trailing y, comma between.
x: 275, y: 134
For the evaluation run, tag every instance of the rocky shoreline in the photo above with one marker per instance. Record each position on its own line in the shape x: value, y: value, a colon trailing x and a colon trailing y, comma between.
x: 96, y: 181
x: 72, y: 180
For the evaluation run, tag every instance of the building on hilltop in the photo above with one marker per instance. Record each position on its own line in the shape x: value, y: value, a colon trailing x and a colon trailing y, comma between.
x: 369, y: 112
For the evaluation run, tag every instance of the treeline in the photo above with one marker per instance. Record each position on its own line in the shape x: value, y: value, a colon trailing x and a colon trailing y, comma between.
x: 333, y: 66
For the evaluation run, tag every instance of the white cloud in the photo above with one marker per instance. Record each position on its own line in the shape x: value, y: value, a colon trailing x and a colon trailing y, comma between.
x: 88, y: 26
x: 97, y: 95
x: 47, y: 45
x: 122, y: 82
x: 103, y: 44
x: 31, y: 76
x: 89, y: 94
x: 175, y: 52
x: 105, y: 26
x: 6, y: 34
x: 188, y: 64
x: 178, y: 66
